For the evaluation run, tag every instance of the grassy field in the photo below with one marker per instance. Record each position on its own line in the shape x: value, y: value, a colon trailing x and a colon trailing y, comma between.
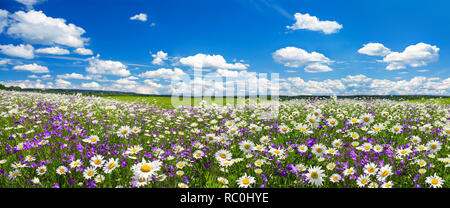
x: 165, y: 102
x: 437, y: 101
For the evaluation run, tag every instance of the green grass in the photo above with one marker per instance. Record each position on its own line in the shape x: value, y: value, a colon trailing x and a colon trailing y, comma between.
x: 440, y: 101
x: 166, y: 102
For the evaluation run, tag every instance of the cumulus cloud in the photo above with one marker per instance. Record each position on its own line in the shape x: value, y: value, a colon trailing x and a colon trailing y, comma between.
x: 414, y: 55
x: 22, y: 51
x: 29, y: 3
x: 159, y: 58
x: 374, y: 49
x: 164, y: 73
x: 363, y: 85
x: 83, y: 51
x: 46, y: 76
x: 3, y: 19
x: 60, y: 83
x: 317, y: 67
x: 126, y: 81
x: 141, y: 17
x: 4, y: 61
x: 34, y: 68
x: 308, y: 22
x: 35, y: 27
x: 90, y: 85
x: 203, y: 61
x: 108, y: 67
x: 74, y: 76
x: 53, y: 50
x: 297, y: 57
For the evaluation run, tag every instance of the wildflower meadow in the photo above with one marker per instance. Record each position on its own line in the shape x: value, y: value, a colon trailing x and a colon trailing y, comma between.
x: 75, y: 141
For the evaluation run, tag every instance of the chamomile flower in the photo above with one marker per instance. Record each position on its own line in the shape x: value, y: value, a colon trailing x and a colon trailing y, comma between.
x: 222, y: 180
x: 388, y: 184
x: 434, y: 181
x: 110, y: 165
x: 335, y: 178
x: 198, y: 154
x: 247, y: 146
x: 75, y: 163
x: 363, y: 180
x: 370, y: 169
x: 146, y: 169
x: 99, y: 178
x: 61, y: 170
x: 182, y: 185
x: 134, y: 149
x: 302, y: 148
x: 223, y: 155
x: 41, y: 170
x: 97, y: 161
x: 245, y: 181
x: 384, y: 172
x: 315, y: 175
x: 434, y: 146
x: 123, y: 132
x: 318, y: 149
x: 89, y: 172
x: 349, y: 171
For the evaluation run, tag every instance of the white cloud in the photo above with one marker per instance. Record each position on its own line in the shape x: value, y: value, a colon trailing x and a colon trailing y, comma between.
x: 46, y: 76
x: 141, y: 17
x: 374, y: 49
x: 90, y: 85
x: 297, y: 57
x: 29, y: 3
x: 83, y: 51
x: 73, y: 76
x: 317, y: 67
x: 97, y: 66
x: 60, y: 83
x: 4, y: 61
x: 3, y: 19
x: 202, y: 61
x: 164, y: 73
x: 53, y: 50
x: 22, y: 51
x: 159, y: 58
x: 414, y: 55
x: 126, y: 81
x: 34, y: 68
x: 307, y: 22
x: 35, y: 27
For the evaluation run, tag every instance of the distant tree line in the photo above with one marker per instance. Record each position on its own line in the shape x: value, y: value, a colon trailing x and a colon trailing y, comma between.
x: 99, y: 93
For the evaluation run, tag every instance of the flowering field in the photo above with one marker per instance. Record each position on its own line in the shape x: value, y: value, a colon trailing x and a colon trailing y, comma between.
x: 49, y: 140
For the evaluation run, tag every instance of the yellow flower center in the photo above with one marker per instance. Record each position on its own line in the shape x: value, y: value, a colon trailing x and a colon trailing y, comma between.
x: 146, y: 168
x: 97, y: 162
x: 277, y: 151
x: 314, y: 175
x: 366, y: 119
x: 384, y: 174
x: 245, y: 181
x: 434, y: 181
x: 223, y: 155
x: 124, y: 131
x: 112, y: 165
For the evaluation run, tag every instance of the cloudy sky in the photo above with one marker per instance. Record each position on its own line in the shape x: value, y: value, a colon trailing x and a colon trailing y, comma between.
x: 316, y: 47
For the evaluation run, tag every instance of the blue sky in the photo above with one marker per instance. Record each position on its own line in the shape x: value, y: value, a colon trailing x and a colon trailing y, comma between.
x: 317, y: 47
